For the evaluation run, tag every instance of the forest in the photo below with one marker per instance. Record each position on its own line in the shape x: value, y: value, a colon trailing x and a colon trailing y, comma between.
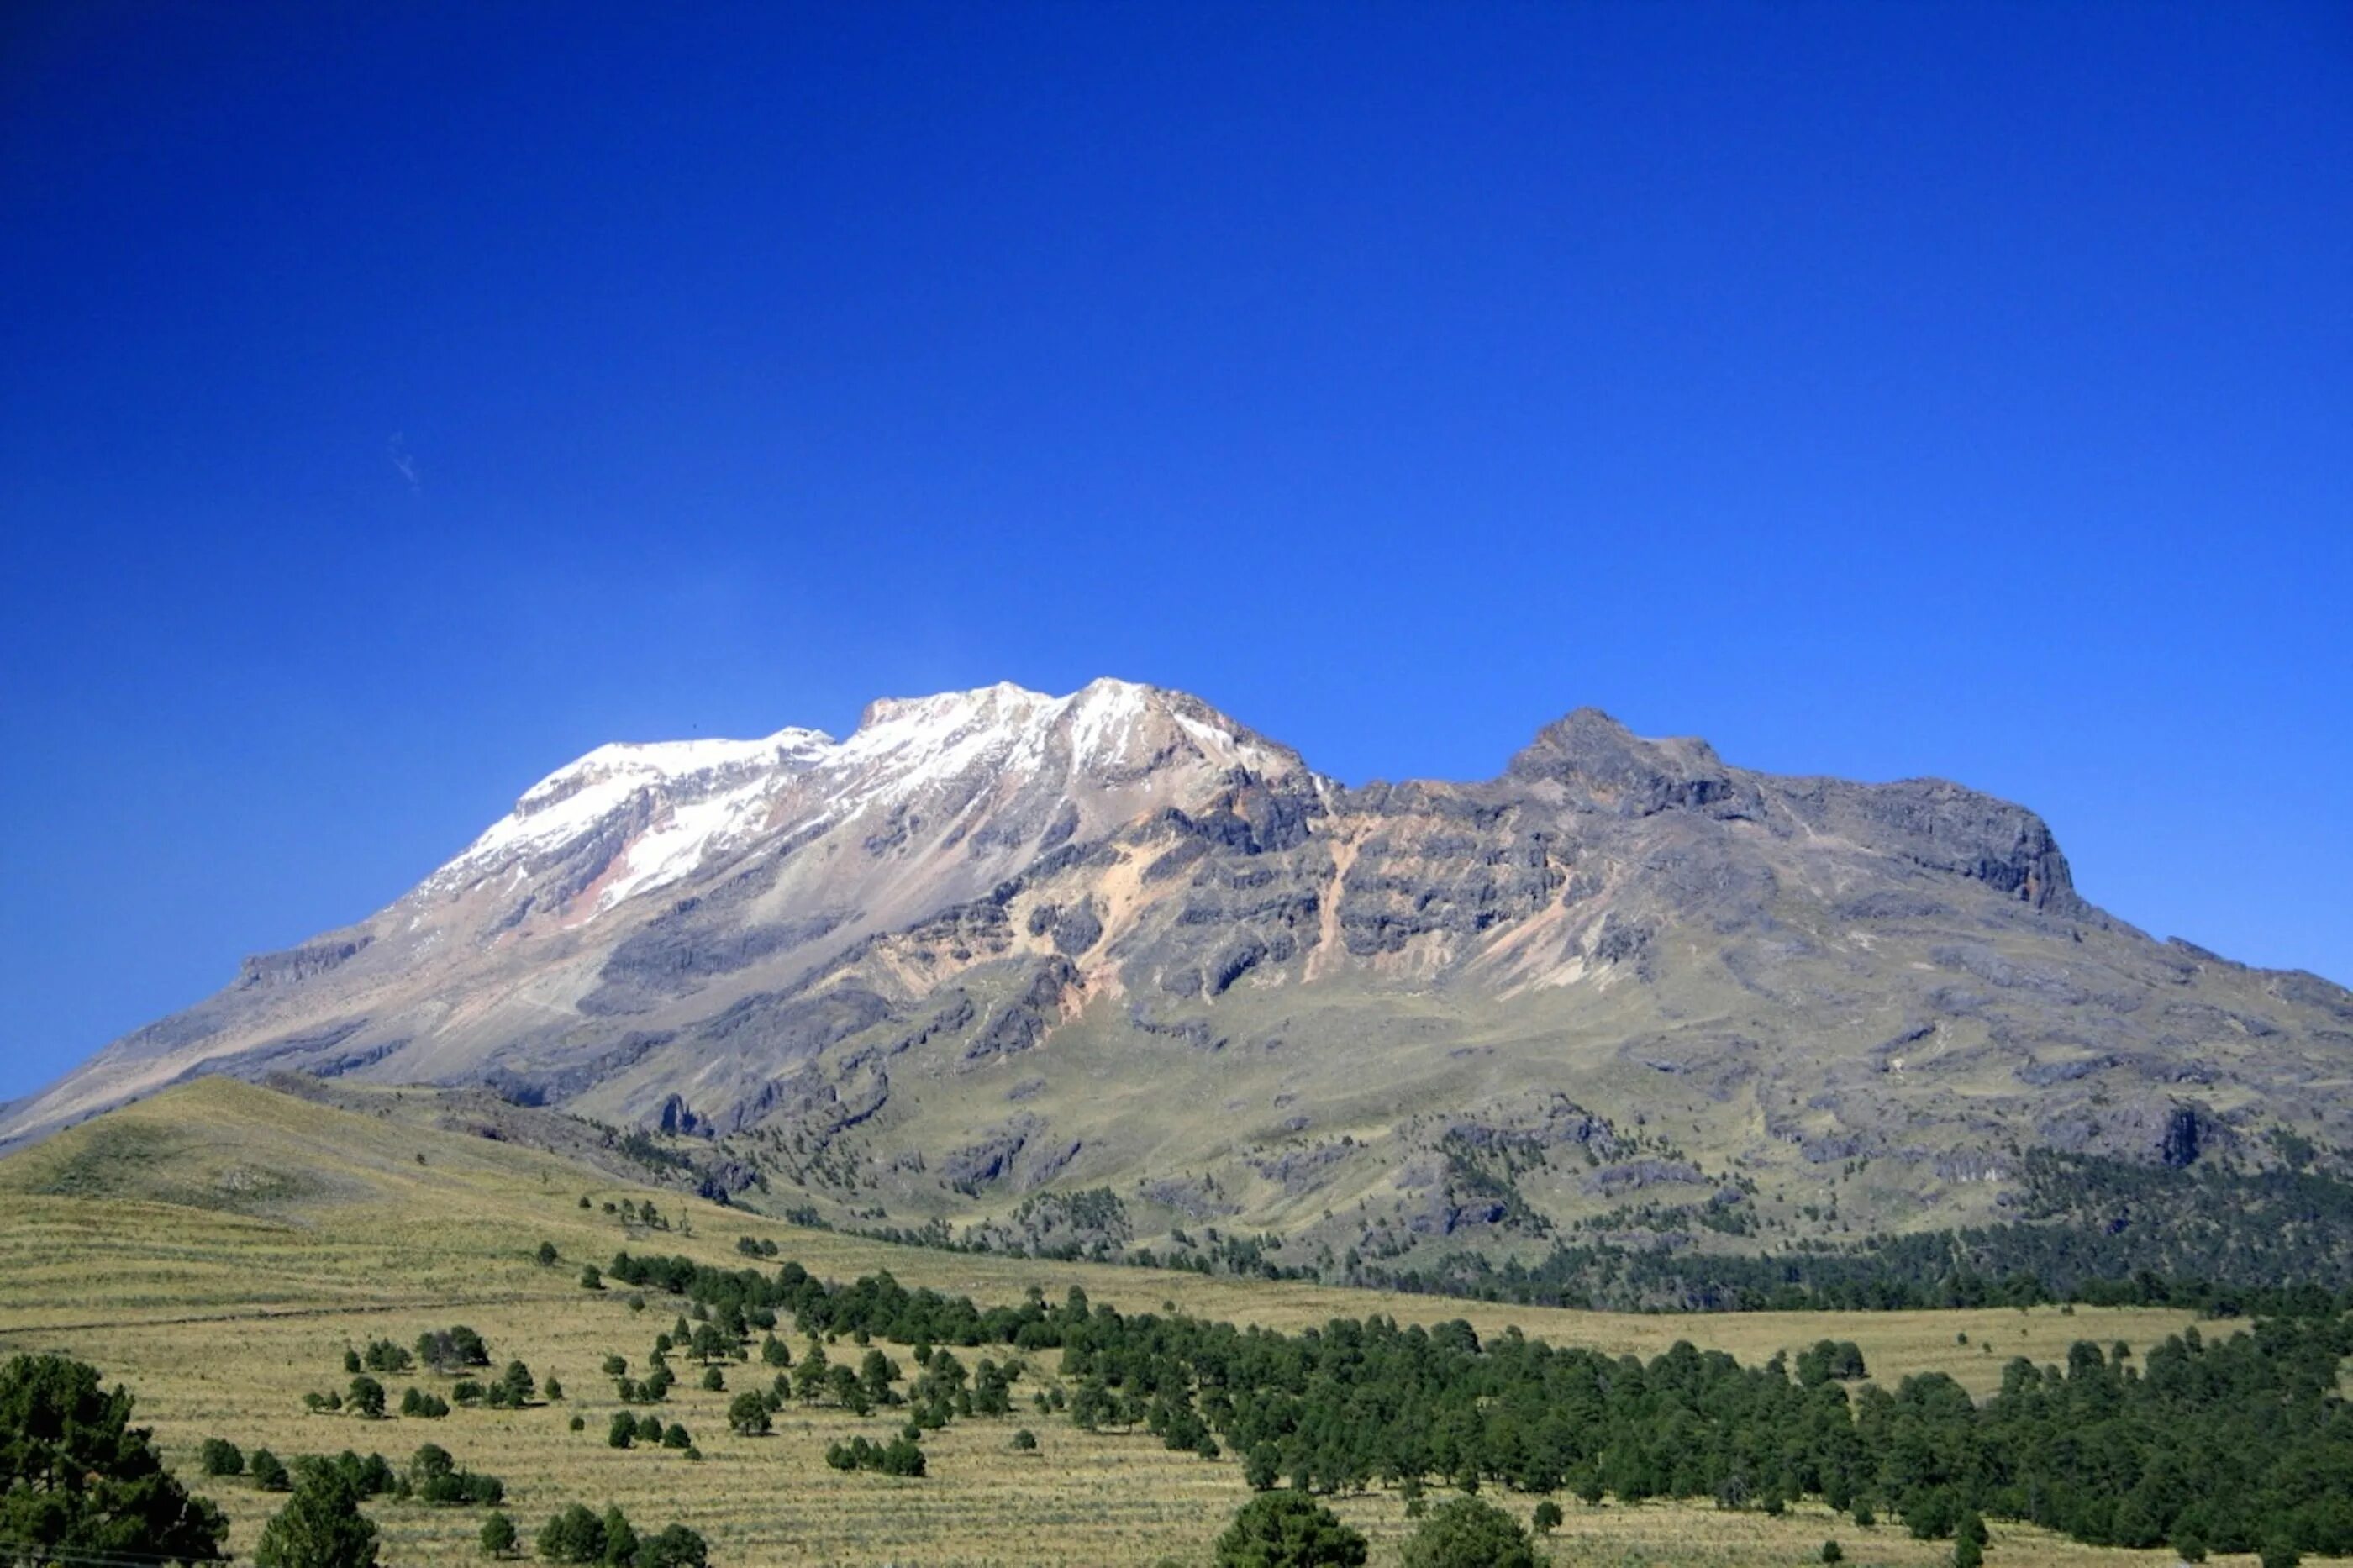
x: 2232, y: 1444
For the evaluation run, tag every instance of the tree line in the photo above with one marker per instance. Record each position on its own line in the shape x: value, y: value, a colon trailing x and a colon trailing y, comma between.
x: 2234, y: 1444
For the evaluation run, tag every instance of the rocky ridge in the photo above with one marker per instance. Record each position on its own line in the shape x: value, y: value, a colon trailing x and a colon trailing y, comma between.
x: 995, y: 945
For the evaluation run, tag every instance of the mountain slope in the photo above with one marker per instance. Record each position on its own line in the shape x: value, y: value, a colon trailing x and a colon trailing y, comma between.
x: 996, y: 944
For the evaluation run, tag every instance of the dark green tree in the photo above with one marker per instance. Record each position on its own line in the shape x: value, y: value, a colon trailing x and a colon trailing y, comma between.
x: 748, y: 1414
x: 620, y: 1540
x: 1547, y: 1517
x: 367, y: 1397
x: 77, y: 1477
x: 1468, y: 1533
x: 498, y: 1536
x: 574, y: 1535
x: 1289, y: 1530
x: 675, y: 1547
x: 221, y: 1457
x: 268, y: 1472
x: 320, y: 1525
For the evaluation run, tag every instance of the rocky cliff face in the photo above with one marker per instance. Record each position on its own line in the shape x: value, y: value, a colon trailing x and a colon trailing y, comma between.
x: 995, y: 943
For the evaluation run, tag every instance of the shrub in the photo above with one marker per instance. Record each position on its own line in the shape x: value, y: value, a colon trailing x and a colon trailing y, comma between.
x: 1832, y: 1551
x: 748, y: 1414
x: 498, y: 1536
x: 1025, y: 1440
x: 900, y: 1457
x: 268, y: 1472
x: 624, y: 1430
x: 1547, y: 1517
x: 383, y: 1355
x: 1468, y: 1533
x: 221, y: 1457
x: 1288, y: 1529
x: 548, y: 1255
x: 434, y: 1478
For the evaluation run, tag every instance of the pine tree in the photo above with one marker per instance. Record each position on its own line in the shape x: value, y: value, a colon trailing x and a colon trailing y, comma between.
x: 76, y: 1476
x: 320, y: 1525
x: 675, y: 1547
x: 1468, y: 1533
x: 1289, y: 1530
x: 574, y: 1535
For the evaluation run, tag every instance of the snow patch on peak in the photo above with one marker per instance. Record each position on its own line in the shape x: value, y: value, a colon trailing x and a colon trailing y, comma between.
x: 1002, y: 702
x: 701, y: 789
x: 654, y: 761
x: 1103, y: 715
x: 682, y: 802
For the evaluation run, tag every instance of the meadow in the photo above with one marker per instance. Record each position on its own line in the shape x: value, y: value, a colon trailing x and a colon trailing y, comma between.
x: 218, y: 1247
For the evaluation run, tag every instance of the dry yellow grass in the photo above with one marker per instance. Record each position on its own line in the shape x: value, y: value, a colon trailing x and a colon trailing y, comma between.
x: 219, y: 1321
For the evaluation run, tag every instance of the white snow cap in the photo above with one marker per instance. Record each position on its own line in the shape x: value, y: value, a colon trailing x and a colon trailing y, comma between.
x: 704, y: 796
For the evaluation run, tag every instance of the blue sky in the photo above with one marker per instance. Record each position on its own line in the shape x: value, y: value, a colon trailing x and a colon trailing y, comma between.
x: 400, y: 400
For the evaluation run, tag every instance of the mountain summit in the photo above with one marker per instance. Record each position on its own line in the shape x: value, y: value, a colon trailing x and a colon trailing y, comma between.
x: 995, y: 943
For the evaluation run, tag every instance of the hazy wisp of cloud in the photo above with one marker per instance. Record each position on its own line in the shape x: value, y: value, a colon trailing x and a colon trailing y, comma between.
x: 397, y: 449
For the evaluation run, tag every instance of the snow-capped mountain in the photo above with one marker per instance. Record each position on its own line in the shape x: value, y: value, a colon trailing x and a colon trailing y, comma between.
x: 995, y: 941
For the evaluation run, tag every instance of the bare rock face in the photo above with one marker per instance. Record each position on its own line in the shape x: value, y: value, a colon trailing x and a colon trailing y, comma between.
x: 996, y: 942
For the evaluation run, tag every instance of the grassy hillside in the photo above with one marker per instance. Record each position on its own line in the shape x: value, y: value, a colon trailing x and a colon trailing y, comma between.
x: 216, y: 1248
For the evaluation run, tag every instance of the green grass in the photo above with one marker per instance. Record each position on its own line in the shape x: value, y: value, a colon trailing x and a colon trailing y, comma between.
x: 137, y: 1242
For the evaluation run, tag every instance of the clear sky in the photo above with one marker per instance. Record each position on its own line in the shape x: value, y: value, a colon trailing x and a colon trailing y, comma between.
x: 396, y: 401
